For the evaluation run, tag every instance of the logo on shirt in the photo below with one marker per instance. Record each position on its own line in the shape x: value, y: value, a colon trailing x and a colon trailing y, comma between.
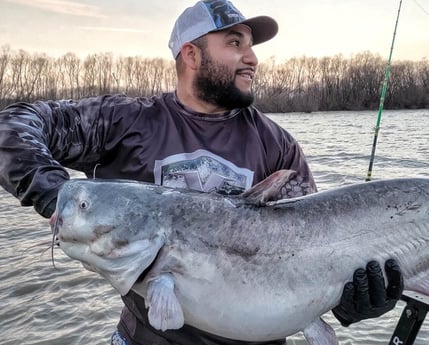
x: 202, y: 171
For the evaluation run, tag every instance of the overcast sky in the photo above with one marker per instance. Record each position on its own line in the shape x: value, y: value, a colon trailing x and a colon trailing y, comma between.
x: 142, y: 27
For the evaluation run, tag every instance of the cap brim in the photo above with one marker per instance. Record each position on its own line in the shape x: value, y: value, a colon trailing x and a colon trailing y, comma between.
x: 263, y: 28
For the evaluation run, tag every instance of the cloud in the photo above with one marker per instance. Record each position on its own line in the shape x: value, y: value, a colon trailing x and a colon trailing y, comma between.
x: 73, y: 8
x: 105, y: 28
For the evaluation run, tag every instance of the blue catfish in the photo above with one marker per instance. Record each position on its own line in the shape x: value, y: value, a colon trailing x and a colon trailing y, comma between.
x: 241, y: 267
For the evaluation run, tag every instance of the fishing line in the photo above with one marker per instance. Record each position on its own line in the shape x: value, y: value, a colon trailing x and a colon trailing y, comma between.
x: 95, y: 168
x: 422, y: 8
x: 383, y: 94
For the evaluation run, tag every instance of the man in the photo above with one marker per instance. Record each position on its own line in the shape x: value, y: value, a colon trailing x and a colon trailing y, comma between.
x: 206, y: 136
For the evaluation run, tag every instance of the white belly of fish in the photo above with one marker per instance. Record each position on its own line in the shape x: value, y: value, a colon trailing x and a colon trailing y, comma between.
x: 249, y: 299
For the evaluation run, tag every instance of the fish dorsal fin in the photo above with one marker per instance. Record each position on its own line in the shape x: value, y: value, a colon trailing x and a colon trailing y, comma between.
x: 270, y: 189
x: 320, y: 333
x: 165, y: 311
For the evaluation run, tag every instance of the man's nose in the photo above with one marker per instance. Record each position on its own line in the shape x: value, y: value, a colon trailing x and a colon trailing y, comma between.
x: 250, y: 57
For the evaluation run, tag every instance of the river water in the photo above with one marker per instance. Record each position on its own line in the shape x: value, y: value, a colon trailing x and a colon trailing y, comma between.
x: 69, y: 305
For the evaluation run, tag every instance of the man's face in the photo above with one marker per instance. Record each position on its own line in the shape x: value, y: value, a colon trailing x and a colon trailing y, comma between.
x: 227, y: 68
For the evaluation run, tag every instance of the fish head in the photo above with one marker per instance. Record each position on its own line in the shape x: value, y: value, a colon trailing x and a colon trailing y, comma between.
x: 106, y: 230
x: 73, y: 219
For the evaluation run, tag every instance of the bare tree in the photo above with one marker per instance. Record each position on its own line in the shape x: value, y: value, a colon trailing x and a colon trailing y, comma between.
x: 297, y: 84
x: 6, y: 86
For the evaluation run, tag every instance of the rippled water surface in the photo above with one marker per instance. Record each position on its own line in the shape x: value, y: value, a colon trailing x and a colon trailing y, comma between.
x: 69, y: 305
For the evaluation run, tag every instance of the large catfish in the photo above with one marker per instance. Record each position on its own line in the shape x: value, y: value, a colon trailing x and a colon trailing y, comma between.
x: 238, y: 267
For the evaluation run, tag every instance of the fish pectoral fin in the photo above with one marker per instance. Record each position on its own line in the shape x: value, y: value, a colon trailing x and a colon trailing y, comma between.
x: 320, y: 333
x: 165, y: 311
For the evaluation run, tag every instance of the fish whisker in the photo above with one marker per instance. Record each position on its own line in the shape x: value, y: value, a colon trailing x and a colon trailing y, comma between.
x: 55, y: 240
x: 47, y: 243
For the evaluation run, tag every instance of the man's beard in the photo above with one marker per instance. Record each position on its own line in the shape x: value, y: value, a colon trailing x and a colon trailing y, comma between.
x: 215, y: 85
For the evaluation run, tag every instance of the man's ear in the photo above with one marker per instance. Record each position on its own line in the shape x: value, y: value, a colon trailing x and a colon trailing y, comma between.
x: 191, y: 55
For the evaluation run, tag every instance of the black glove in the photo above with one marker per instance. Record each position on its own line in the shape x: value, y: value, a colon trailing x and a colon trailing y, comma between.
x: 367, y: 297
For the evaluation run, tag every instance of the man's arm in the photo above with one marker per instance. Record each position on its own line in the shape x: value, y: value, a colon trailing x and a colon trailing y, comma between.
x: 36, y: 142
x: 367, y: 296
x: 301, y: 181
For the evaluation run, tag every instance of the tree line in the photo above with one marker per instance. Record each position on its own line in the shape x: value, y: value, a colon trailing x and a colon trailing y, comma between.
x: 297, y: 84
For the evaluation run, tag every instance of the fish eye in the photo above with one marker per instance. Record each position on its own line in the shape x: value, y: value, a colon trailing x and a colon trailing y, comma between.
x: 83, y: 205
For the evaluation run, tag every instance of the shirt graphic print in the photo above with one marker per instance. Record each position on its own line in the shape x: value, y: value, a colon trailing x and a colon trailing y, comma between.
x: 202, y: 171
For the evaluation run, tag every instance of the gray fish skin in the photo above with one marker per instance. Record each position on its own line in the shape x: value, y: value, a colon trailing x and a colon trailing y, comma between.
x: 238, y: 270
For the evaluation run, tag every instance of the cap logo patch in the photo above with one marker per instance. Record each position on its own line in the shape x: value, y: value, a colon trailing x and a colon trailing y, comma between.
x: 223, y: 13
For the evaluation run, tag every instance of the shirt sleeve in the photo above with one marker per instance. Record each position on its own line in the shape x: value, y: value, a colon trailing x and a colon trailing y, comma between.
x: 285, y: 153
x: 38, y: 140
x: 303, y: 182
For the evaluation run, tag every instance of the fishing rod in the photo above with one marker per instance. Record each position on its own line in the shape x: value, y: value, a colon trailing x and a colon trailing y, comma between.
x: 383, y: 94
x: 417, y: 306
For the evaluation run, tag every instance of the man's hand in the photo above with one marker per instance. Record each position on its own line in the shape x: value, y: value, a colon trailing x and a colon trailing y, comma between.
x: 367, y: 297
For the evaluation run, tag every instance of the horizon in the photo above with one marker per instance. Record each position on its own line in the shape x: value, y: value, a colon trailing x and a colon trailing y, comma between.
x: 270, y: 60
